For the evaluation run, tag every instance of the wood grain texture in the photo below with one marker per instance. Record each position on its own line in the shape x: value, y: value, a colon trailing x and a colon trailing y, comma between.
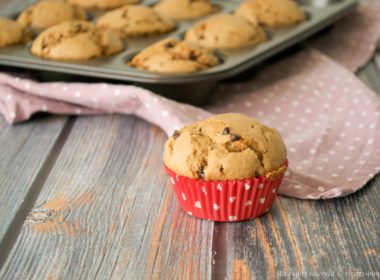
x: 24, y: 149
x: 107, y: 212
x: 336, y: 236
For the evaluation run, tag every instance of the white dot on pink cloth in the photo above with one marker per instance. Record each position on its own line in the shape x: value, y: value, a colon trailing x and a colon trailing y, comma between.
x: 164, y: 113
x: 312, y: 151
x: 248, y: 104
x: 297, y: 187
x: 278, y: 110
x: 9, y: 96
x: 12, y: 114
x: 44, y: 108
x: 321, y: 189
x: 370, y: 141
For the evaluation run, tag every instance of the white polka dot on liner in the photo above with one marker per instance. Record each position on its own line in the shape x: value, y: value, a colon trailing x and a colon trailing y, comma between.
x: 248, y: 104
x: 320, y: 168
x: 12, y: 114
x: 341, y: 167
x: 370, y: 141
x: 9, y: 96
x: 313, y: 151
x: 321, y: 189
x: 334, y: 175
x: 44, y: 108
x: 297, y: 187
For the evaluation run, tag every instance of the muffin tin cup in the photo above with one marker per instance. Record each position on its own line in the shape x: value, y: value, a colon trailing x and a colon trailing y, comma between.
x: 233, y: 61
x: 225, y: 201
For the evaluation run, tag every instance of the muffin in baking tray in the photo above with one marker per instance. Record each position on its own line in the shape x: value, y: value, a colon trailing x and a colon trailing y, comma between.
x: 226, y: 168
x: 102, y: 4
x: 46, y: 13
x: 135, y: 21
x: 174, y: 56
x: 75, y: 40
x: 11, y: 33
x: 271, y: 13
x: 185, y: 9
x: 225, y: 31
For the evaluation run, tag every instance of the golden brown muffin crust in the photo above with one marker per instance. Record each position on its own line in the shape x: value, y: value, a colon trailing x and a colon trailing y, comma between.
x: 135, y: 21
x: 174, y: 56
x: 102, y: 4
x: 75, y: 40
x: 225, y: 31
x: 225, y: 147
x: 184, y: 9
x: 11, y: 32
x: 46, y: 13
x: 271, y: 13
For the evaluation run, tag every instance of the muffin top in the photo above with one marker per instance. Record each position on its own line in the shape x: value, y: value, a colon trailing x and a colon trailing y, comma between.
x: 184, y: 9
x: 174, y: 56
x: 225, y: 147
x: 11, y: 32
x: 271, y: 13
x: 46, y: 13
x: 75, y: 40
x: 225, y: 31
x: 102, y: 4
x: 135, y: 21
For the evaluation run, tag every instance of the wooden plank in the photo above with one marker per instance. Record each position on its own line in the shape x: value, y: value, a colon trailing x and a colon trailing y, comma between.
x: 336, y: 237
x: 106, y: 211
x: 24, y: 149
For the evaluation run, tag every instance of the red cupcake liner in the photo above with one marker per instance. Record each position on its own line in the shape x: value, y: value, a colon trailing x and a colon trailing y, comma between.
x: 225, y: 201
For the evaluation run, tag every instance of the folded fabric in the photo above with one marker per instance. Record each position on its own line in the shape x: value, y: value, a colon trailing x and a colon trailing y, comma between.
x: 329, y: 119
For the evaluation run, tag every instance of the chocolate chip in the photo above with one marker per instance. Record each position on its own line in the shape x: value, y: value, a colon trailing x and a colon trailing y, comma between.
x: 234, y: 137
x: 226, y: 131
x: 176, y: 134
x: 192, y: 56
x: 201, y: 174
x: 169, y: 45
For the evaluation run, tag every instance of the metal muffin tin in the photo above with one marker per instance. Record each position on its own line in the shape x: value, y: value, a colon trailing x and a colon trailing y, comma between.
x: 193, y: 88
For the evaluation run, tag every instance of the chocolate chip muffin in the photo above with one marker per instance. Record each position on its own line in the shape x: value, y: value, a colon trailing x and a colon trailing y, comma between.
x: 135, y: 21
x: 11, y: 32
x: 271, y: 13
x: 185, y: 9
x: 225, y: 31
x: 102, y: 4
x: 46, y: 13
x: 174, y: 56
x: 226, y: 147
x: 75, y: 40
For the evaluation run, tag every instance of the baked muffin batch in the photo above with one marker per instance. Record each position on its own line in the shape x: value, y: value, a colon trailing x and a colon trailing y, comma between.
x: 62, y: 32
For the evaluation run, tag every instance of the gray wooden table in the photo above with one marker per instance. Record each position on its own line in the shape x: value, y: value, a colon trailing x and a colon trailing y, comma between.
x: 87, y: 198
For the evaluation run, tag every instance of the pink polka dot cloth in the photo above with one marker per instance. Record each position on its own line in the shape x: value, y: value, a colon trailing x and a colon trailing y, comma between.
x: 329, y: 119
